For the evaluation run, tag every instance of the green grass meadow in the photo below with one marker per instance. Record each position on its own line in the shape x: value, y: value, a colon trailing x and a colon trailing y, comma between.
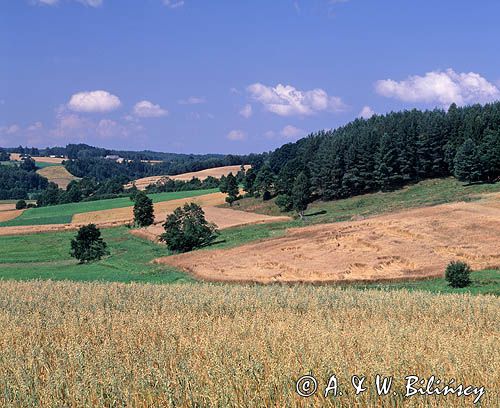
x: 62, y: 214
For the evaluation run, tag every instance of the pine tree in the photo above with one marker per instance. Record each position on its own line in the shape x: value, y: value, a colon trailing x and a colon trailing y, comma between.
x: 489, y: 156
x: 387, y: 162
x: 466, y: 163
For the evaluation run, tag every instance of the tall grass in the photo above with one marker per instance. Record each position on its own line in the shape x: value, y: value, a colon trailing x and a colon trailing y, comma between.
x: 83, y: 345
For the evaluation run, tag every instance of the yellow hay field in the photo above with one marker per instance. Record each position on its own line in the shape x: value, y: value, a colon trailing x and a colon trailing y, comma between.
x: 58, y: 175
x: 216, y: 172
x: 125, y: 215
x: 411, y: 244
x: 56, y: 160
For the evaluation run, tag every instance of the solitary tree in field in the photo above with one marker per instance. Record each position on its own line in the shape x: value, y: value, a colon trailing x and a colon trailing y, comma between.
x: 300, y: 194
x: 186, y: 229
x: 232, y: 189
x: 143, y: 210
x: 88, y: 246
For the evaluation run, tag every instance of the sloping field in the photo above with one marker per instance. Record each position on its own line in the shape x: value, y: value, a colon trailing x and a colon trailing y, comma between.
x: 125, y: 215
x: 67, y: 344
x: 411, y: 244
x: 58, y: 175
x: 7, y: 207
x: 216, y: 172
x: 222, y: 217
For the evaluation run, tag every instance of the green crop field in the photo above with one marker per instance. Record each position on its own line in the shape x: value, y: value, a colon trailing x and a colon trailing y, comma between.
x: 62, y: 214
x: 46, y: 256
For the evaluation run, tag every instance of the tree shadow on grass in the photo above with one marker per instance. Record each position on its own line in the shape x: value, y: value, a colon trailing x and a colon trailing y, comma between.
x: 321, y: 212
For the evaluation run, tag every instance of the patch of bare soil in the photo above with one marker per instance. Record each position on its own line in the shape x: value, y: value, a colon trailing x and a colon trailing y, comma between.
x: 411, y: 244
x: 222, y: 217
x: 9, y: 214
x: 216, y: 172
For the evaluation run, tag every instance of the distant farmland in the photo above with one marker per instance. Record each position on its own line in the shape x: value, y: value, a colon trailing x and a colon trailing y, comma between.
x: 216, y: 172
x: 63, y: 213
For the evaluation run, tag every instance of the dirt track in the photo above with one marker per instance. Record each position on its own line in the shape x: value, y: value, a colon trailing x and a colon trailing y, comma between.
x: 217, y: 172
x: 411, y: 244
x: 222, y: 217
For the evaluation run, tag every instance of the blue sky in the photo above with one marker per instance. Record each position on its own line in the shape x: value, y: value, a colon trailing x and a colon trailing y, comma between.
x: 232, y: 76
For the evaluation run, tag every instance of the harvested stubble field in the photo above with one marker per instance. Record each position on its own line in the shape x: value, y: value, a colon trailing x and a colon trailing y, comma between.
x: 38, y: 159
x: 216, y: 172
x: 58, y: 175
x: 86, y: 345
x: 410, y: 244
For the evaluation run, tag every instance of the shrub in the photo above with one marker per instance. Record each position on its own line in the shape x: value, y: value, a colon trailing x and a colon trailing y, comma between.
x: 266, y: 196
x: 88, y: 245
x: 458, y: 274
x: 284, y: 202
x: 21, y: 205
x: 186, y: 229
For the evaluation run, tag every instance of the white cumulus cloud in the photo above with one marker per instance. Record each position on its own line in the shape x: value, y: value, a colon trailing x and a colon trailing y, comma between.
x: 146, y: 109
x: 246, y: 111
x: 443, y: 87
x: 94, y: 101
x: 286, y: 100
x: 366, y: 112
x: 236, y: 135
x: 91, y: 3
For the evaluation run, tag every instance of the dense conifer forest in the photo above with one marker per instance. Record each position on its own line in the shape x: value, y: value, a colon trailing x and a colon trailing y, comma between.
x: 384, y: 153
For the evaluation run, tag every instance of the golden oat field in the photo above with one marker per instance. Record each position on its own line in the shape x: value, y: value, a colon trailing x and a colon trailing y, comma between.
x: 66, y: 344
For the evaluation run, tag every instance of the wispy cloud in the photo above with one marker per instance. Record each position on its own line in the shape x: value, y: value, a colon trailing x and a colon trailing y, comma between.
x: 236, y: 135
x: 246, y: 111
x: 192, y: 100
x: 147, y: 109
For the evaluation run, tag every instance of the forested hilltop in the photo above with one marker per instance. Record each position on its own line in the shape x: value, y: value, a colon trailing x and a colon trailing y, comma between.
x: 384, y: 152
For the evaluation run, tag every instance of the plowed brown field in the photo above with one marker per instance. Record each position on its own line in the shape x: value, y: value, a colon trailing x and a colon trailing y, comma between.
x: 222, y: 217
x: 411, y: 244
x: 216, y: 172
